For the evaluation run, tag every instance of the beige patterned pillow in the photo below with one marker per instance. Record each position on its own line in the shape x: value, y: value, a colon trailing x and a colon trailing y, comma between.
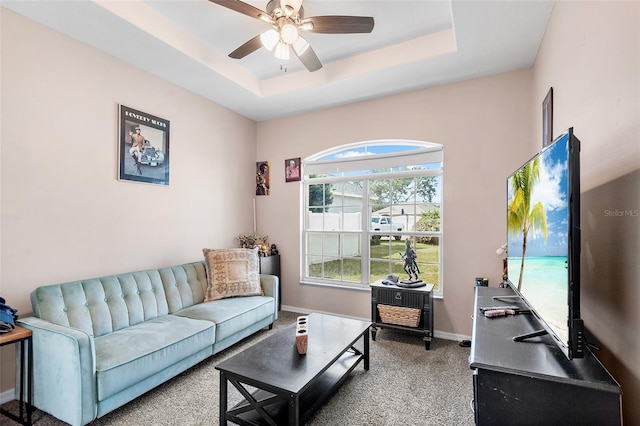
x: 232, y: 273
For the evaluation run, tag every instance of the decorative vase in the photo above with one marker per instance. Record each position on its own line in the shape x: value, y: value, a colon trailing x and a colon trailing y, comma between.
x: 302, y: 334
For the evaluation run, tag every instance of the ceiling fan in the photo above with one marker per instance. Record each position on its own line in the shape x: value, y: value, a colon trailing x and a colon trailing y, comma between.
x: 287, y: 19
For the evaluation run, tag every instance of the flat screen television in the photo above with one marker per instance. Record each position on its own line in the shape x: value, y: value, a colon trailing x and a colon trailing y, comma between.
x: 543, y: 245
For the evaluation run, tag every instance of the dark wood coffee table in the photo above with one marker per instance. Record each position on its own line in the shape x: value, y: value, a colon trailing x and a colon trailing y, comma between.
x: 290, y: 387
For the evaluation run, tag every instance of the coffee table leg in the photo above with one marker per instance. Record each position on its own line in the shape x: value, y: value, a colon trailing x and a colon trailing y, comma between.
x: 294, y: 410
x: 223, y: 399
x: 366, y: 350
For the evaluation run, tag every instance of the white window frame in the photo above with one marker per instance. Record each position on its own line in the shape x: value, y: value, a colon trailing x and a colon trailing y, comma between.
x: 358, y: 168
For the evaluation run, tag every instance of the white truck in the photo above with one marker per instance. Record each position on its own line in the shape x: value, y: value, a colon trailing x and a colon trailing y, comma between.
x: 386, y: 224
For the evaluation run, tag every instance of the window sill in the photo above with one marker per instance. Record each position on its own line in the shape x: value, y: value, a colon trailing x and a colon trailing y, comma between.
x: 356, y: 287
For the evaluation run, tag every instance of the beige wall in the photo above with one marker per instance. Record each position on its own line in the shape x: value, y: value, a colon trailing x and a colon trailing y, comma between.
x: 484, y: 126
x: 65, y: 216
x: 591, y: 56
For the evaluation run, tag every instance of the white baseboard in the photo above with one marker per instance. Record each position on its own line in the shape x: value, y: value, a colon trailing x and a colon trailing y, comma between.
x: 307, y: 311
x: 439, y: 334
x: 6, y: 396
x: 450, y: 336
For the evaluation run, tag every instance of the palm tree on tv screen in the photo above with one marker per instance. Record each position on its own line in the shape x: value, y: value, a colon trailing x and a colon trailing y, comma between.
x: 521, y: 217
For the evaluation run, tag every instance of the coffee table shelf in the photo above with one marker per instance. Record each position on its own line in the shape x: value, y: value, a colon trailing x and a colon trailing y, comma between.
x: 310, y: 400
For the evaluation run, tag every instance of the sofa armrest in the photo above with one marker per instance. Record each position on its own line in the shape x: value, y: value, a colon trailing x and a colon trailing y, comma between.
x: 271, y: 287
x: 64, y: 371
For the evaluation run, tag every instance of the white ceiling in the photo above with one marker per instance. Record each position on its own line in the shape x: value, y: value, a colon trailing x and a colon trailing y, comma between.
x: 414, y: 44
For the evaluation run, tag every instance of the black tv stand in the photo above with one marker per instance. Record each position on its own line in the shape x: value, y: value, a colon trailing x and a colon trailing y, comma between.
x: 535, y: 384
x: 525, y: 336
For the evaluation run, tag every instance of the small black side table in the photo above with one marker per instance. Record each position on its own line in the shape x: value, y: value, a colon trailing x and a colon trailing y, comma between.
x: 270, y: 265
x: 22, y: 336
x: 416, y: 298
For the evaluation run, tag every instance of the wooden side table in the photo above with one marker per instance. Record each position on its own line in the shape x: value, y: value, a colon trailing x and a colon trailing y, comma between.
x: 22, y: 336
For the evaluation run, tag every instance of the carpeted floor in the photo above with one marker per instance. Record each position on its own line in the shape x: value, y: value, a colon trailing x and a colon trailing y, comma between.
x: 405, y: 385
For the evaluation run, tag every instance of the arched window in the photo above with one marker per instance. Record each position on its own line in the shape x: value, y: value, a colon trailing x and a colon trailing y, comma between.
x: 362, y: 202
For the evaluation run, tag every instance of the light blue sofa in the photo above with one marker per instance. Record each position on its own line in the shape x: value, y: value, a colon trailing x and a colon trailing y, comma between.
x: 100, y: 343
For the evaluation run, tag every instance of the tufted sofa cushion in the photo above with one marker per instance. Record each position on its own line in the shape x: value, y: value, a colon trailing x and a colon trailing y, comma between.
x: 103, y: 305
x: 184, y: 285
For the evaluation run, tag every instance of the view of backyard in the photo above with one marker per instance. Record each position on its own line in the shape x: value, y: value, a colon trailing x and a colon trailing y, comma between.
x: 362, y: 202
x: 348, y: 269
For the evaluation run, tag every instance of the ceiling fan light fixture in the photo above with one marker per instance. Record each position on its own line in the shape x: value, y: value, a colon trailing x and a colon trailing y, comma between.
x: 282, y: 51
x: 269, y: 39
x: 300, y: 46
x: 289, y: 33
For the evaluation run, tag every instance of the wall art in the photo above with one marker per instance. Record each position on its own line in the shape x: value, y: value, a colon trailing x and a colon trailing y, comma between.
x: 292, y: 169
x: 263, y: 171
x: 143, y: 147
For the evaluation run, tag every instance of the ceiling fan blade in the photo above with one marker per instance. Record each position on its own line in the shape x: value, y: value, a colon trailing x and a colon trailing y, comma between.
x: 309, y: 59
x: 247, y: 48
x: 341, y: 24
x: 241, y: 7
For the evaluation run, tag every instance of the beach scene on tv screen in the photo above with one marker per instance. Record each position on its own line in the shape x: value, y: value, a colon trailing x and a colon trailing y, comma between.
x: 538, y: 225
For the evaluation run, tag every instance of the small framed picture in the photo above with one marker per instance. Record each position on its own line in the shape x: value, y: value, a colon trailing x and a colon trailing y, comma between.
x: 143, y: 147
x: 292, y: 169
x: 547, y: 118
x: 263, y: 170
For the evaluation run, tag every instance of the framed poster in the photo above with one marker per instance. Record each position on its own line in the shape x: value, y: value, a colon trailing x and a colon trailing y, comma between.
x: 292, y: 169
x: 263, y: 171
x: 547, y: 118
x: 143, y: 147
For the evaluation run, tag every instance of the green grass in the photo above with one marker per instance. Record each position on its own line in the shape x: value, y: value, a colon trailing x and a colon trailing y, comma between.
x: 380, y: 255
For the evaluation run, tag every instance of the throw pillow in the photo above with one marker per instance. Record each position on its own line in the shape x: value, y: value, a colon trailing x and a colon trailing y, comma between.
x: 232, y: 273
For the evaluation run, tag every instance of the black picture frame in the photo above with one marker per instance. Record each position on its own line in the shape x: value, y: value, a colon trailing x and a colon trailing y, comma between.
x: 547, y: 118
x: 148, y: 163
